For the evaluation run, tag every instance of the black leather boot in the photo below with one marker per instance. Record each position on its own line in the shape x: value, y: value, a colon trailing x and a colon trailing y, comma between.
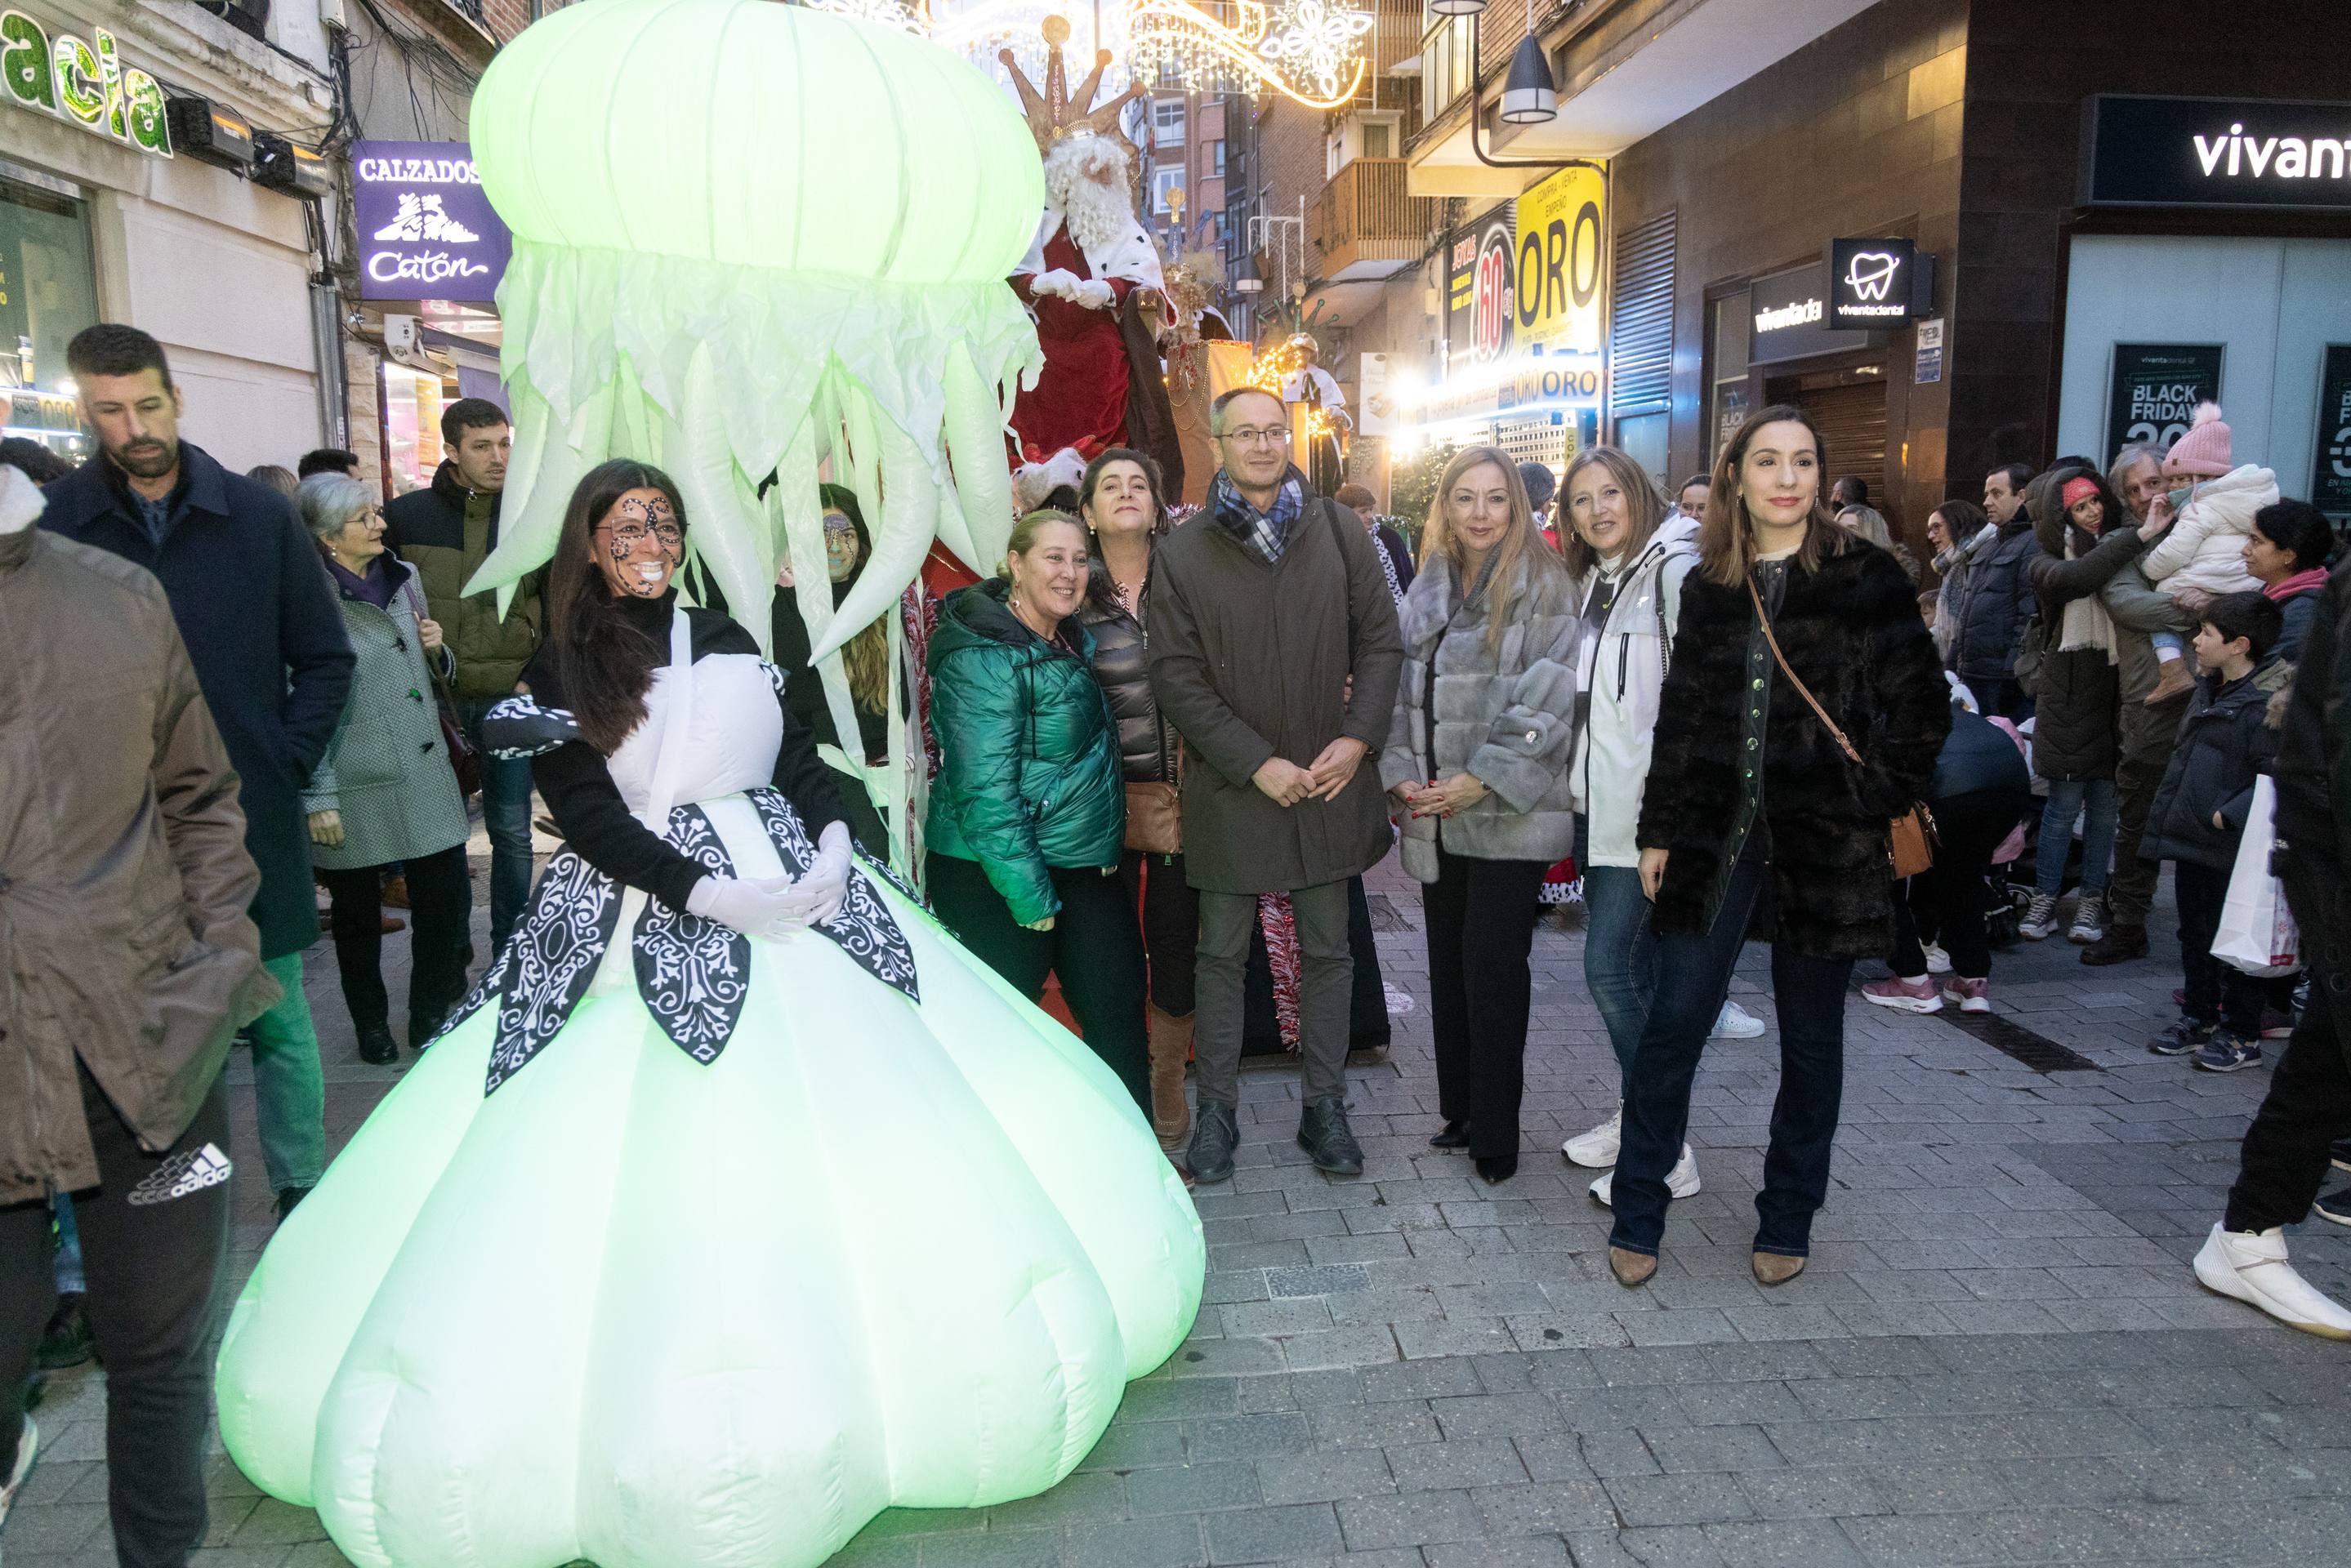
x: 2121, y: 945
x: 377, y: 1047
x: 1322, y: 1134
x: 1215, y: 1133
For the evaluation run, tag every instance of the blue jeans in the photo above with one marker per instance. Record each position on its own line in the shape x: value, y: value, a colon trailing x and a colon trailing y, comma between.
x: 1620, y: 950
x: 2065, y: 803
x: 289, y: 1088
x: 1694, y: 974
x: 505, y: 814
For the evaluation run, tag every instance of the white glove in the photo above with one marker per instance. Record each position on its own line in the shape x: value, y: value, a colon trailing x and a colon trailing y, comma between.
x: 815, y: 899
x: 755, y: 906
x: 1093, y: 294
x: 1060, y: 282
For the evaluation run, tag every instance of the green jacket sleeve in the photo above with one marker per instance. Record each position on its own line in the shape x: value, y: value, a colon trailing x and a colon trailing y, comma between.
x: 978, y: 705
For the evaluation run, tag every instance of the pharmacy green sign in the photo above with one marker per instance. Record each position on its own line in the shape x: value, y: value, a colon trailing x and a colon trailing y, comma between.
x: 82, y: 82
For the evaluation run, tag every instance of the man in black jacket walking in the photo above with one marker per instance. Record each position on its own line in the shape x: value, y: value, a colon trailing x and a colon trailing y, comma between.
x: 1996, y: 601
x: 267, y: 639
x: 2308, y: 1106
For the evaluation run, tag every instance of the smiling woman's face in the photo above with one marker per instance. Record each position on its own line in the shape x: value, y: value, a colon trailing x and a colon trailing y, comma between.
x: 1779, y: 475
x: 640, y: 544
x: 841, y: 550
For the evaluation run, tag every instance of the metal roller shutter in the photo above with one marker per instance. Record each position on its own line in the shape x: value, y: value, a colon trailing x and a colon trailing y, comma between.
x: 1641, y: 320
x: 1851, y: 422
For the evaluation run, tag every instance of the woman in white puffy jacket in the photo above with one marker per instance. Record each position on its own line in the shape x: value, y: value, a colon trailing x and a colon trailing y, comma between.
x: 1628, y: 553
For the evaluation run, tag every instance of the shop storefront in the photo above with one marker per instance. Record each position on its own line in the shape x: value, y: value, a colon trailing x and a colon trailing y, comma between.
x: 1521, y: 364
x: 2213, y: 259
x: 102, y: 218
x: 430, y: 253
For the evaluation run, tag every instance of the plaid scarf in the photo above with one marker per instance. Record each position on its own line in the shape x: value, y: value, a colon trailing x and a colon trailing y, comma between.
x: 1265, y: 533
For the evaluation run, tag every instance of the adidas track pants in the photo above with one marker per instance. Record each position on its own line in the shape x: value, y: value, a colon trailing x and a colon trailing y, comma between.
x: 154, y: 1235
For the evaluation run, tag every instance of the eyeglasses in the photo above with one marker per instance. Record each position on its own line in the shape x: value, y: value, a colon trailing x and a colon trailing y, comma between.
x: 1273, y: 436
x: 629, y: 535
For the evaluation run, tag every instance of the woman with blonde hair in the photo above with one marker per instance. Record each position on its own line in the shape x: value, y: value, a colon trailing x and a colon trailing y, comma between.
x: 1628, y: 553
x: 1477, y: 764
x: 1802, y: 710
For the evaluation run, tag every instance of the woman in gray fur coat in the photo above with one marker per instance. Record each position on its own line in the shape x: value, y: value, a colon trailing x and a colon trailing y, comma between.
x: 1477, y: 765
x: 386, y: 790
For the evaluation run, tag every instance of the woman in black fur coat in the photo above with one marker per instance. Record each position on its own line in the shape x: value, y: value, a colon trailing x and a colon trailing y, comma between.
x: 1755, y: 824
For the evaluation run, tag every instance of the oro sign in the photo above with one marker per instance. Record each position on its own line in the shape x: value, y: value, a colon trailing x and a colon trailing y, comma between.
x: 426, y: 230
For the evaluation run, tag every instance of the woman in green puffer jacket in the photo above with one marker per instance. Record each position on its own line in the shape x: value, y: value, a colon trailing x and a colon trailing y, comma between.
x: 1029, y: 812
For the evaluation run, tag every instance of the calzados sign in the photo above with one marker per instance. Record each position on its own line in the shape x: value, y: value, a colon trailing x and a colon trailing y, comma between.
x: 426, y: 230
x: 82, y: 83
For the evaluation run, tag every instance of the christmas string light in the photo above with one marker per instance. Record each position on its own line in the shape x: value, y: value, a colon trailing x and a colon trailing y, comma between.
x: 1310, y: 51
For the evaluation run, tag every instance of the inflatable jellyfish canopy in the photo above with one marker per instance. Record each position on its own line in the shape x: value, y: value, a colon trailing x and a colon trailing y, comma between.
x: 748, y: 236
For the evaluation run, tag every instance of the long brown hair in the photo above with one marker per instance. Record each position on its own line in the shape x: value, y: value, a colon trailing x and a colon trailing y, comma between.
x: 1725, y: 537
x: 1641, y: 497
x: 1519, y: 541
x: 864, y: 657
x: 606, y: 664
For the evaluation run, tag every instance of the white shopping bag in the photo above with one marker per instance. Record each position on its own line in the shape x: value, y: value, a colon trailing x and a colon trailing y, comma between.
x: 2257, y: 931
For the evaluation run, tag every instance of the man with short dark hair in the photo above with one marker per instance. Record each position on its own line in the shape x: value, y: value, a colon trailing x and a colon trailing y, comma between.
x: 1851, y: 491
x: 1275, y: 653
x: 127, y: 958
x: 1690, y: 500
x: 1996, y: 601
x: 263, y: 630
x: 445, y: 531
x: 328, y: 460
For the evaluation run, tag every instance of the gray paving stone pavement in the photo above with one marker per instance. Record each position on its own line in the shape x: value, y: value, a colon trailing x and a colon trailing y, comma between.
x: 1997, y: 1354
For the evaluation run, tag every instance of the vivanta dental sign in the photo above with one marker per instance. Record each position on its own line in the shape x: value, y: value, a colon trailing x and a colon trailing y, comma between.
x: 2216, y: 152
x: 82, y: 82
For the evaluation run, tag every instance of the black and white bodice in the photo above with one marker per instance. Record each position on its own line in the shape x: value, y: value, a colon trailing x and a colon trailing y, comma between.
x: 706, y: 785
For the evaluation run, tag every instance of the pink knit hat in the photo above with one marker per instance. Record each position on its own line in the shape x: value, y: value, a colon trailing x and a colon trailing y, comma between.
x: 2203, y: 451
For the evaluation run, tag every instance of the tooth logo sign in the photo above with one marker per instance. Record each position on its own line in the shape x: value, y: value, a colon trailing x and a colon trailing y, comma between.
x: 1870, y: 273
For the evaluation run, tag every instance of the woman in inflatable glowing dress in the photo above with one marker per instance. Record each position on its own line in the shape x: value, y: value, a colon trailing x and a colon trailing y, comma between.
x: 739, y: 1203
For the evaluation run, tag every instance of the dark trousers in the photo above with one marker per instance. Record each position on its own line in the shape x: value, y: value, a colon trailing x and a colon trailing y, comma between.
x: 1095, y: 948
x: 1480, y: 916
x: 2003, y: 696
x: 505, y: 814
x: 1326, y: 984
x: 1171, y: 927
x: 2218, y: 992
x: 153, y: 1262
x: 2308, y: 1106
x: 1950, y: 897
x: 440, y: 912
x: 2138, y: 773
x: 1693, y: 976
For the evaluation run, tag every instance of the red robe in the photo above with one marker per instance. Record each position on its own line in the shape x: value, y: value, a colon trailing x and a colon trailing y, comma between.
x: 1079, y: 398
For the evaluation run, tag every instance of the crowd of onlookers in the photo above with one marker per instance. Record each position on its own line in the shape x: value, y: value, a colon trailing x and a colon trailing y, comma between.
x: 1724, y: 712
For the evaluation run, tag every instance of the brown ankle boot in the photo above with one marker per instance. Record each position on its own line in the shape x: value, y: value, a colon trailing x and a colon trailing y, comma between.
x: 1171, y: 1051
x: 2172, y: 680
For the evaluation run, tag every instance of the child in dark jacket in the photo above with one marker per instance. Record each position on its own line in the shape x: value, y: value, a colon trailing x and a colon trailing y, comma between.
x: 2199, y: 818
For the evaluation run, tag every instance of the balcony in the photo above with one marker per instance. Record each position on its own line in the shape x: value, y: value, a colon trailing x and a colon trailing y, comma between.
x: 1365, y: 227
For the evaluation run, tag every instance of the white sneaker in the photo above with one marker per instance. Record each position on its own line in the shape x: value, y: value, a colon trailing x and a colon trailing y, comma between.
x: 2089, y: 921
x: 1937, y: 960
x: 26, y: 1447
x: 2251, y: 1267
x: 1681, y: 1181
x: 1735, y: 1023
x: 1597, y: 1149
x: 2039, y: 917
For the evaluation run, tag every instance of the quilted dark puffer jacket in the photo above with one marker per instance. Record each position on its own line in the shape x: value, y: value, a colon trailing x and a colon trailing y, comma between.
x: 1146, y: 745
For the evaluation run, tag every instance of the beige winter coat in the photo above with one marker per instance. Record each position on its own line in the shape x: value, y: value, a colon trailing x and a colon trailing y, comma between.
x: 124, y: 878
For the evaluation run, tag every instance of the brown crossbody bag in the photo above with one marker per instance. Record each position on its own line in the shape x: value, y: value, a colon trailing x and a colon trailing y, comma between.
x: 1910, y: 843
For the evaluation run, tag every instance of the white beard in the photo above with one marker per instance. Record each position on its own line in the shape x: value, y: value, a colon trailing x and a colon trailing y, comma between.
x: 1095, y: 212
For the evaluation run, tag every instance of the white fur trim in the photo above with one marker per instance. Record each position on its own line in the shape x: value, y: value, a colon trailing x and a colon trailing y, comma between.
x: 20, y: 500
